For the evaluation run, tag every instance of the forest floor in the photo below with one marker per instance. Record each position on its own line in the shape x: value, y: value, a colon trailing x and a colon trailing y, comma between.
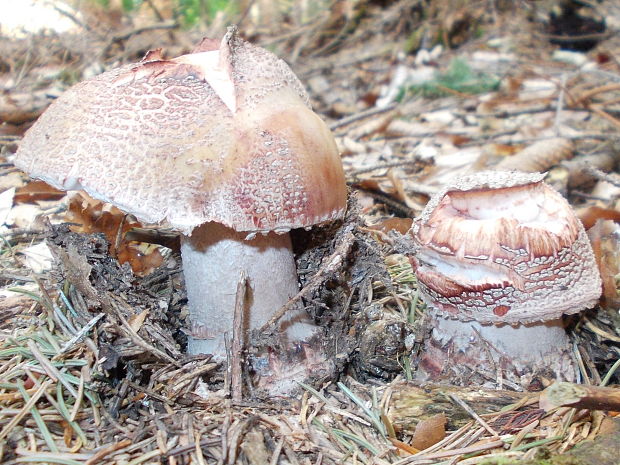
x: 92, y: 368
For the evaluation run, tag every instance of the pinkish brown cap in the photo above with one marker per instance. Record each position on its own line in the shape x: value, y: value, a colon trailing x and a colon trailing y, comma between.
x: 503, y: 247
x: 223, y: 134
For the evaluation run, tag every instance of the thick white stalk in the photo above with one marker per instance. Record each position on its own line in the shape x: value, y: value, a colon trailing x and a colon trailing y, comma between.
x: 213, y: 258
x: 519, y: 352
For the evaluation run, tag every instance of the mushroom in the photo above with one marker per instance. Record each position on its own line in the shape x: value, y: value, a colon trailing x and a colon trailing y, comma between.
x: 220, y: 144
x: 499, y: 258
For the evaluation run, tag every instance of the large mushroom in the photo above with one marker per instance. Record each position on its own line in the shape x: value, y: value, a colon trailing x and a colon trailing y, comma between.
x: 220, y: 144
x: 500, y: 257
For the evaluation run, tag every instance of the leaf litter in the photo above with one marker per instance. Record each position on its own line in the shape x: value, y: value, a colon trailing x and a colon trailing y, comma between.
x: 91, y: 366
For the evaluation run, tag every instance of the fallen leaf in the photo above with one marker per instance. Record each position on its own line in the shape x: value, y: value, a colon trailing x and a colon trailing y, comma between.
x: 37, y: 190
x: 7, y: 129
x: 504, y: 150
x: 6, y: 203
x: 23, y: 216
x: 540, y: 156
x: 401, y: 225
x: 590, y: 215
x: 605, y: 245
x: 13, y: 305
x: 89, y: 216
x: 458, y: 140
x: 38, y: 257
x: 142, y: 257
x: 400, y: 191
x: 369, y: 185
x: 404, y: 449
x: 429, y: 432
x: 137, y: 321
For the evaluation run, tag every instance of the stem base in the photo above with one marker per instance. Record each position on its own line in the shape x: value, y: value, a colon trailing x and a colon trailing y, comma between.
x: 469, y: 352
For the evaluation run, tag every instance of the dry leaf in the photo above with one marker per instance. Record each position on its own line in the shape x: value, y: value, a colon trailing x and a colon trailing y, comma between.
x: 579, y: 177
x: 23, y: 216
x: 142, y: 257
x: 590, y: 215
x: 7, y: 129
x: 608, y: 426
x: 93, y: 216
x: 368, y: 184
x: 349, y: 146
x: 401, y: 225
x: 13, y: 305
x: 429, y: 432
x: 137, y: 321
x: 404, y: 449
x: 604, y: 238
x: 37, y: 190
x: 605, y: 191
x: 399, y: 188
x: 6, y: 203
x: 504, y: 150
x: 458, y: 140
x: 19, y: 110
x: 38, y: 257
x: 539, y: 156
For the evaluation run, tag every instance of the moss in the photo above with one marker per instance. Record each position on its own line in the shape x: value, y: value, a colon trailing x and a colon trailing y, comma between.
x: 604, y: 450
x: 459, y: 79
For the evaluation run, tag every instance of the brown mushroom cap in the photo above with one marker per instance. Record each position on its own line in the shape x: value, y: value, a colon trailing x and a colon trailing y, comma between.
x: 223, y: 134
x: 503, y: 247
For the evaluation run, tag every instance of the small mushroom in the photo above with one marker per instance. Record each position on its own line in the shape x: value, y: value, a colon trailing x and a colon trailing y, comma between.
x: 220, y: 144
x: 500, y: 257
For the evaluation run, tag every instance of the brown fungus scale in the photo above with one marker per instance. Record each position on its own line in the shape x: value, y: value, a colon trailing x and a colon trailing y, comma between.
x: 222, y: 145
x: 505, y: 252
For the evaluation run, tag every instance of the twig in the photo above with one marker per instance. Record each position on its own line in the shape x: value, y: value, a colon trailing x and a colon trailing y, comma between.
x: 560, y: 104
x: 580, y: 396
x: 603, y: 114
x: 50, y: 369
x: 169, y: 25
x: 276, y: 451
x: 81, y: 333
x: 394, y: 205
x: 106, y: 450
x: 198, y: 451
x: 73, y: 18
x: 527, y: 429
x: 509, y: 113
x: 611, y: 371
x: 245, y: 13
x: 577, y: 38
x: 602, y: 176
x: 587, y: 95
x: 237, y: 341
x: 453, y: 452
x: 136, y: 338
x: 78, y: 401
x: 120, y: 395
x: 155, y: 10
x: 381, y: 166
x: 361, y: 115
x: 329, y: 265
x: 190, y: 447
x: 139, y: 30
x: 473, y: 414
x: 25, y: 409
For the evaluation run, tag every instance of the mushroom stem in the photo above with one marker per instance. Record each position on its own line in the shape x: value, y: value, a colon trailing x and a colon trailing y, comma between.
x: 519, y: 352
x: 213, y: 258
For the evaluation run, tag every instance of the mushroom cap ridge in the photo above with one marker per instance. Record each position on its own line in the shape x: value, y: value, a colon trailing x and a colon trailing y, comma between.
x: 503, y: 247
x: 168, y: 142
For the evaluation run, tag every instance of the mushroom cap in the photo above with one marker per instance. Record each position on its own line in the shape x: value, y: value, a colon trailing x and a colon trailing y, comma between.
x: 222, y: 134
x: 503, y: 247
